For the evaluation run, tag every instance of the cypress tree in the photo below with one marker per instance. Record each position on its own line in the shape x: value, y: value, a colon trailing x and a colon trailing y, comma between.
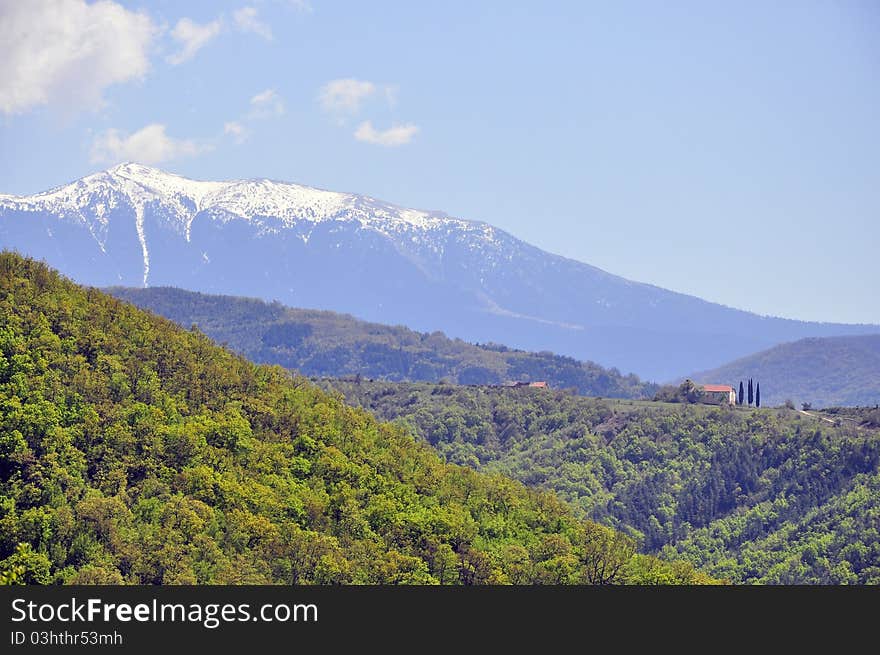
x: 741, y: 398
x: 758, y: 395
x: 751, y: 392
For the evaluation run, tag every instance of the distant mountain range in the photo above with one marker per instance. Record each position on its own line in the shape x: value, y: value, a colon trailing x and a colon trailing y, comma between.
x: 138, y: 226
x: 825, y: 372
x: 326, y: 344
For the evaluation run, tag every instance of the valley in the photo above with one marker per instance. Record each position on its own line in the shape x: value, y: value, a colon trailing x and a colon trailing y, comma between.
x: 712, y: 484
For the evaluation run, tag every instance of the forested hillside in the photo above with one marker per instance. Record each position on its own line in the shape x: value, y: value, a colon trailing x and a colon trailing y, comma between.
x: 134, y: 451
x: 326, y: 344
x: 820, y: 371
x: 750, y: 495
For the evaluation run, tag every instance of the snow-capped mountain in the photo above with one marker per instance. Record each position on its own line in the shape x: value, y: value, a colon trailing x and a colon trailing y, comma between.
x: 266, y: 207
x: 133, y: 225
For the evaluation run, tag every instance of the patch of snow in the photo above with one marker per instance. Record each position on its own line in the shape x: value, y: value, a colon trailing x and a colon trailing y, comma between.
x: 416, y: 218
x: 288, y: 203
x: 142, y: 237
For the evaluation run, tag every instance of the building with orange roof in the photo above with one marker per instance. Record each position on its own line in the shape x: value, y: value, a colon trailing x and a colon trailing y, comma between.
x: 720, y: 394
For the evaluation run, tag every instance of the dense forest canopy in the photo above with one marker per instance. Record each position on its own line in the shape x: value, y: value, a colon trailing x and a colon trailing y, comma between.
x: 326, y: 344
x: 748, y: 495
x: 133, y: 451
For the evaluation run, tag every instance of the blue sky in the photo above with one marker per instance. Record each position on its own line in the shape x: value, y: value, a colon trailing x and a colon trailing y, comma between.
x: 726, y: 150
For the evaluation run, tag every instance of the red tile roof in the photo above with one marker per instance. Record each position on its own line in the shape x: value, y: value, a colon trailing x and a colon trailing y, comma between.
x: 717, y: 387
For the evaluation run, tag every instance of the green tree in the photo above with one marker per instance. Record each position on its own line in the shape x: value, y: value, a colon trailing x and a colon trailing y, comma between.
x: 604, y: 554
x: 25, y: 566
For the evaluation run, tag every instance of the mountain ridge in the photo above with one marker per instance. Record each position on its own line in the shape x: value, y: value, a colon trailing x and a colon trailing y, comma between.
x: 319, y: 343
x: 822, y: 371
x: 134, y: 226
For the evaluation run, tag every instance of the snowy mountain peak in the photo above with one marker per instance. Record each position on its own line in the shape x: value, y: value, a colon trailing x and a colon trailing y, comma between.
x: 262, y: 200
x: 162, y: 186
x: 134, y: 168
x: 132, y: 193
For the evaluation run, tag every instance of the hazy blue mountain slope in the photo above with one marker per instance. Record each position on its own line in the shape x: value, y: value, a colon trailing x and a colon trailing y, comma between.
x: 824, y: 372
x: 138, y: 226
x: 326, y: 344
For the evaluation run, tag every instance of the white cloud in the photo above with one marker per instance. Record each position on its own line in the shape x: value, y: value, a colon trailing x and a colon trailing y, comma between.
x: 192, y: 37
x: 68, y: 52
x: 247, y: 20
x: 396, y: 135
x: 266, y: 104
x: 149, y: 145
x: 301, y: 5
x: 236, y: 130
x: 344, y: 97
